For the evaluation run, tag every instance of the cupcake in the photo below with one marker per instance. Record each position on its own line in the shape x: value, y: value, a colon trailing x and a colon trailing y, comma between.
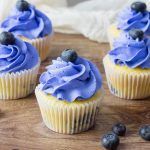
x: 31, y: 25
x: 19, y: 64
x: 127, y: 66
x: 70, y: 94
x: 134, y: 17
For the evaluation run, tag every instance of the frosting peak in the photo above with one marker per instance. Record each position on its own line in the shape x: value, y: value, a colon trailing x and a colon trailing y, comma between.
x: 70, y: 81
x: 130, y: 52
x: 129, y: 19
x: 31, y: 23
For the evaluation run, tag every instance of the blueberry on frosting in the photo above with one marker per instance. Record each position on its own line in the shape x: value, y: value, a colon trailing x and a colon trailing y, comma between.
x: 136, y: 34
x: 22, y: 5
x: 138, y: 6
x: 7, y: 38
x: 69, y: 55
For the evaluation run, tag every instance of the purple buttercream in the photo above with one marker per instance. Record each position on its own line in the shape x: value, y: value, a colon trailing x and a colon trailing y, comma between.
x: 70, y: 81
x: 129, y: 19
x: 17, y: 57
x: 31, y: 23
x: 132, y: 53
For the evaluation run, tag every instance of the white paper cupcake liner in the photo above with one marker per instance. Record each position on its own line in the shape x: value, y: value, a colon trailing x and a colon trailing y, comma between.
x: 43, y: 45
x: 68, y: 118
x: 127, y: 85
x: 18, y: 85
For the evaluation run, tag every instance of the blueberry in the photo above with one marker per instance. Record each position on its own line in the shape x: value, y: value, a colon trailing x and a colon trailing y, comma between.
x: 69, y: 55
x: 136, y: 34
x: 138, y: 6
x: 22, y: 5
x: 7, y: 38
x: 119, y: 129
x: 144, y: 132
x: 110, y: 141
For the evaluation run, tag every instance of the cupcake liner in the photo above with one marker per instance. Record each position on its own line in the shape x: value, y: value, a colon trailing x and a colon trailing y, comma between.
x: 68, y: 118
x: 112, y: 33
x: 18, y: 85
x: 43, y: 45
x: 127, y: 83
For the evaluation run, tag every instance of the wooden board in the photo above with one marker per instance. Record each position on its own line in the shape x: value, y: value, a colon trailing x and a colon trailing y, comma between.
x: 21, y: 126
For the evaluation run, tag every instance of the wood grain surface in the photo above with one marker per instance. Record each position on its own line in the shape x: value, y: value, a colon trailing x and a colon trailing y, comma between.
x: 21, y: 126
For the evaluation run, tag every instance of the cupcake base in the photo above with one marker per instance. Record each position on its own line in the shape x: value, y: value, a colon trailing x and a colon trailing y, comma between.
x: 112, y: 33
x: 18, y: 85
x: 127, y: 83
x: 43, y: 45
x: 68, y: 118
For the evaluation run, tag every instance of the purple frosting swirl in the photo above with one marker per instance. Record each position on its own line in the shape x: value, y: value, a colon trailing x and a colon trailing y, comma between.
x: 17, y: 57
x: 130, y: 19
x: 132, y: 53
x: 70, y: 81
x: 31, y: 23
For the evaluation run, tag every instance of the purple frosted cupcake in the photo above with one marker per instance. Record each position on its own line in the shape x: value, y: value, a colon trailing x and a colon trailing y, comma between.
x: 127, y: 66
x: 69, y: 94
x: 19, y: 65
x: 31, y: 25
x: 134, y: 17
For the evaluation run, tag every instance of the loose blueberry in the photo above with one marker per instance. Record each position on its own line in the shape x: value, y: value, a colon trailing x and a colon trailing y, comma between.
x: 110, y: 141
x: 136, y: 34
x: 7, y: 38
x: 69, y: 55
x: 119, y: 129
x: 144, y: 132
x: 138, y: 6
x: 22, y: 5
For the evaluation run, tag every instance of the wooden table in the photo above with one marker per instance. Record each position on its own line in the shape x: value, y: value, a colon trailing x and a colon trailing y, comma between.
x: 21, y: 126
